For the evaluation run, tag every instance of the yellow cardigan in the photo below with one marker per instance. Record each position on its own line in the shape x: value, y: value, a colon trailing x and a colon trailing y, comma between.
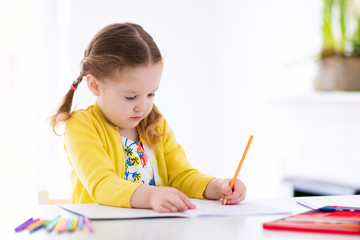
x: 97, y: 159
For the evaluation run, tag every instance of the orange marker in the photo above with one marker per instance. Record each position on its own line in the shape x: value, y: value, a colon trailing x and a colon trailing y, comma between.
x: 239, y: 167
x: 58, y: 224
x: 36, y: 224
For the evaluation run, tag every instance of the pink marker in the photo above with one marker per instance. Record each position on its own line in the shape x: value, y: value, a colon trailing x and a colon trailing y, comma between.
x: 63, y: 225
x: 88, y: 224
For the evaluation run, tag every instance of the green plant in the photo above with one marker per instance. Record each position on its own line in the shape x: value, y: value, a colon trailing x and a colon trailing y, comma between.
x: 341, y: 28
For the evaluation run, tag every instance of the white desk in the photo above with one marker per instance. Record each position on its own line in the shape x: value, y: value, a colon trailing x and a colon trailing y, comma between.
x: 173, y: 228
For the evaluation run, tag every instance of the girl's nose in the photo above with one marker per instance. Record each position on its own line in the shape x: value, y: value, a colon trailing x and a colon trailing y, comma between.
x: 141, y: 106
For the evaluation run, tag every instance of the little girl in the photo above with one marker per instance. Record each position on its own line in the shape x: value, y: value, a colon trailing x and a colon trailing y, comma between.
x: 121, y: 149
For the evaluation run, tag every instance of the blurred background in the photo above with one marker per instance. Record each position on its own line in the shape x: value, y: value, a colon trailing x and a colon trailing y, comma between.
x: 232, y: 68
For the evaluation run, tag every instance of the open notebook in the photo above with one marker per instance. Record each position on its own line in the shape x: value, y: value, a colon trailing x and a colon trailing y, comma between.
x: 203, y: 208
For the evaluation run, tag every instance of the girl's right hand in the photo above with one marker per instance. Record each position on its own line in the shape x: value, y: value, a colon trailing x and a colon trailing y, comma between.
x: 161, y: 199
x: 168, y: 199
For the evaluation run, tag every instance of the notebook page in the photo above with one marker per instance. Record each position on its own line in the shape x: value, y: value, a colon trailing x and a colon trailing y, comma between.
x: 245, y: 208
x: 203, y: 208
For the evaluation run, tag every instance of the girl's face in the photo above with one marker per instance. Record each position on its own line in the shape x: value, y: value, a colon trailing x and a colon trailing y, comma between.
x: 129, y: 97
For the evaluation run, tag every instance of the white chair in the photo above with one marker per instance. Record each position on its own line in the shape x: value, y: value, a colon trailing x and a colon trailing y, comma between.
x: 44, y: 199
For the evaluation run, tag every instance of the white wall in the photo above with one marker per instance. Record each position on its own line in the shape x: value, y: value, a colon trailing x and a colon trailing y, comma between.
x: 222, y: 61
x: 27, y: 69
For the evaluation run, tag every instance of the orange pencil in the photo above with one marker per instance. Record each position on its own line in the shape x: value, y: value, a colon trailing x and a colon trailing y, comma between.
x: 239, y: 167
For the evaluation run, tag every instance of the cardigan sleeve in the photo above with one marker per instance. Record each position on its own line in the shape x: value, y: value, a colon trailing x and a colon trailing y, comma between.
x: 181, y: 174
x: 92, y: 164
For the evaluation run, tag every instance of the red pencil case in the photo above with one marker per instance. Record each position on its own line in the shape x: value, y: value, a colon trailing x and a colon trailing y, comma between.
x: 319, y: 221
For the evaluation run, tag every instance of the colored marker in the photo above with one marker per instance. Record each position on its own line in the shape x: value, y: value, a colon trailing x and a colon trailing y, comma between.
x: 68, y: 227
x: 36, y: 226
x: 88, y: 224
x: 74, y: 224
x: 35, y: 229
x: 52, y: 223
x: 49, y: 221
x: 81, y: 222
x: 59, y: 223
x: 24, y: 225
x: 32, y: 224
x: 62, y: 227
x: 339, y: 209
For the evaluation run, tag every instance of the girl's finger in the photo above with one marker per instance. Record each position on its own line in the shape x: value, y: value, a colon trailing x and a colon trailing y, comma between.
x: 225, y: 189
x: 241, y: 197
x: 162, y: 209
x: 171, y: 207
x: 188, y: 203
x: 179, y: 204
x: 239, y: 187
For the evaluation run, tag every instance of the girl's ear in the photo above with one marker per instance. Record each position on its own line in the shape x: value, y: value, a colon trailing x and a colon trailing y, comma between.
x: 93, y: 84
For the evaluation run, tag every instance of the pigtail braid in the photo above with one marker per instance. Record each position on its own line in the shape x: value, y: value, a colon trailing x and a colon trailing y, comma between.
x: 64, y: 111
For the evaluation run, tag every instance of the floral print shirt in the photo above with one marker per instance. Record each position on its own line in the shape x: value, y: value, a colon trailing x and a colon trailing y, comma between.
x: 140, y: 163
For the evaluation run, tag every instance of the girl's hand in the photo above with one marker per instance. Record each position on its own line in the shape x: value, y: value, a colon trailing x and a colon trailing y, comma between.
x: 218, y: 188
x: 161, y: 199
x: 238, y: 194
x: 167, y: 199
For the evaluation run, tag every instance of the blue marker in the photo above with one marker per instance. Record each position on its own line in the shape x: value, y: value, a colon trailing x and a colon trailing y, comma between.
x: 81, y: 222
x: 37, y: 228
x: 339, y: 209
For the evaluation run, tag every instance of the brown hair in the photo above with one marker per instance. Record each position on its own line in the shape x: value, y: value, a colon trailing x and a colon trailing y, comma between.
x: 114, y: 47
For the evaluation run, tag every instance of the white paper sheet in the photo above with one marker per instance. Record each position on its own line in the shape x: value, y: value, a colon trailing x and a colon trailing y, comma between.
x: 318, y: 202
x: 203, y: 208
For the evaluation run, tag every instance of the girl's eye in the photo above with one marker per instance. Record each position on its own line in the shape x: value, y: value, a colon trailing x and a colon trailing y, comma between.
x: 130, y: 98
x: 151, y: 95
